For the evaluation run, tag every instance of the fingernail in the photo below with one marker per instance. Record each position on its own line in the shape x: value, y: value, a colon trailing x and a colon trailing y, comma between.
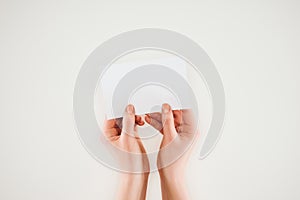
x: 165, y: 108
x: 130, y: 109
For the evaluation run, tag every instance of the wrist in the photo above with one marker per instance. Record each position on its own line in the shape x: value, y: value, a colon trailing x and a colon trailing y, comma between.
x: 134, y: 178
x: 173, y: 186
x: 174, y: 177
x: 132, y: 186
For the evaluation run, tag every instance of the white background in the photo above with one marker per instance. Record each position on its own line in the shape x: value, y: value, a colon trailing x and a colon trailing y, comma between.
x: 254, y: 44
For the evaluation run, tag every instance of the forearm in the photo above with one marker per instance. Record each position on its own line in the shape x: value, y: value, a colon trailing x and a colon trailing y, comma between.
x: 174, y: 188
x: 132, y: 186
x: 163, y: 188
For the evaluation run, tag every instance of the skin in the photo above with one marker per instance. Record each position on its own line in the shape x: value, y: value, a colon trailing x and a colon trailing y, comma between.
x: 178, y: 130
x: 123, y: 134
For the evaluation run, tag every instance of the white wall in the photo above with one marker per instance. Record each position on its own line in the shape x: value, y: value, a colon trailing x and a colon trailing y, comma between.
x: 254, y: 44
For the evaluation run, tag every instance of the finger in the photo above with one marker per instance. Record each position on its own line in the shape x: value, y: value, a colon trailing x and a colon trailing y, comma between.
x: 128, y: 122
x: 177, y: 115
x: 117, y: 122
x: 168, y: 121
x: 110, y: 128
x: 154, y: 123
x: 139, y: 120
x: 109, y: 123
x: 188, y: 117
x: 189, y: 124
x: 155, y: 115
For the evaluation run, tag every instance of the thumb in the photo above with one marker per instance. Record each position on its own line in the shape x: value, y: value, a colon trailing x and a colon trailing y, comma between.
x: 168, y: 121
x: 128, y: 122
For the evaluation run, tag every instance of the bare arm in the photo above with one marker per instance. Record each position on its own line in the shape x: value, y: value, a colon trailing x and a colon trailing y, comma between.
x: 179, y: 133
x: 132, y: 186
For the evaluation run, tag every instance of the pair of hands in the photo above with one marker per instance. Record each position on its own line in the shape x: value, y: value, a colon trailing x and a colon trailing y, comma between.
x: 178, y: 130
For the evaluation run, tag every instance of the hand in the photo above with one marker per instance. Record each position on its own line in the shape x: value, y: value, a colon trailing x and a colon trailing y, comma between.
x: 123, y: 134
x: 179, y: 133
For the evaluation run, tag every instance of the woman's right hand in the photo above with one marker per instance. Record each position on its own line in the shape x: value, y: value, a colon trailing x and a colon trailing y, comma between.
x: 179, y: 134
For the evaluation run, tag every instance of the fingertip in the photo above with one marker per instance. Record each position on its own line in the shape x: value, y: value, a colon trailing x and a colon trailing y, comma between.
x: 141, y: 123
x: 138, y: 118
x: 166, y: 108
x: 130, y: 109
